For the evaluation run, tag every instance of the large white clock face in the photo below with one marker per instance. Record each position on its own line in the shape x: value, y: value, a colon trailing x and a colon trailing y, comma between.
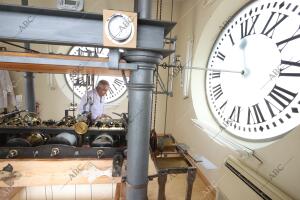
x: 263, y: 41
x: 77, y: 82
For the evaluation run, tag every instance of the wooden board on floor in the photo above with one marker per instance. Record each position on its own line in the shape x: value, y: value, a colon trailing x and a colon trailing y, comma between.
x: 37, y: 65
x: 28, y: 172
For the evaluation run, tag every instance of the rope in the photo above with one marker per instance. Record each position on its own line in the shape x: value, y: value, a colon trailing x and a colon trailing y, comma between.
x: 75, y: 192
x: 51, y: 193
x: 157, y: 2
x: 158, y: 14
x: 167, y: 97
x: 26, y: 192
x: 91, y: 191
x: 160, y: 6
x: 155, y: 99
x: 45, y: 192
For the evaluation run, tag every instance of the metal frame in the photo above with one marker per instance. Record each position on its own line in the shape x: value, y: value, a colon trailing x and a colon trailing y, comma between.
x: 74, y: 28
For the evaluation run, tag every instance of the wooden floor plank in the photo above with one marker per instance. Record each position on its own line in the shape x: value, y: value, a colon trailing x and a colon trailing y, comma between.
x: 57, y: 172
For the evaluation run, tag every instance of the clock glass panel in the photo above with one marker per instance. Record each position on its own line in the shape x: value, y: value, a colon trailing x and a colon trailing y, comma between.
x: 80, y: 83
x: 258, y: 97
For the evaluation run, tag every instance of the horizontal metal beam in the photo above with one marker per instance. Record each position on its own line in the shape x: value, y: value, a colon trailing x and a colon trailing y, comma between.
x: 37, y: 25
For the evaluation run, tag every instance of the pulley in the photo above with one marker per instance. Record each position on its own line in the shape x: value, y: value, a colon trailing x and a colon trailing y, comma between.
x: 103, y: 140
x: 83, y: 122
x: 37, y: 138
x: 18, y: 142
x: 64, y: 138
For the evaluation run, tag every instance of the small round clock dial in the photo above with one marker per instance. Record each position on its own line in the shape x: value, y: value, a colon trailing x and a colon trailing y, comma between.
x: 114, y: 25
x: 80, y: 83
x: 263, y: 41
x: 119, y: 28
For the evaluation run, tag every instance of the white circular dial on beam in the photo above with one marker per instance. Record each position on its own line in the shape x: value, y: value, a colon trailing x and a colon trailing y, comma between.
x: 263, y: 41
x: 119, y: 28
x: 76, y: 81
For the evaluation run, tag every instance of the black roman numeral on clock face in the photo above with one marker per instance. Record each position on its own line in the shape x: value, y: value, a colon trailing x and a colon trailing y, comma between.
x: 235, y: 114
x: 217, y: 91
x: 118, y: 82
x: 274, y: 20
x: 221, y: 56
x: 284, y: 71
x: 248, y: 28
x: 282, y: 97
x: 283, y: 43
x: 255, y: 115
x: 216, y: 74
x: 110, y: 91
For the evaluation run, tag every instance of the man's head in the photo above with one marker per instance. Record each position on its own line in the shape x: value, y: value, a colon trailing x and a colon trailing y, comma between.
x: 102, y: 87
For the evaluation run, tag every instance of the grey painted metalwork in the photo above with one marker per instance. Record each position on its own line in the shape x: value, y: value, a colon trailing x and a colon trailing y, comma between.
x: 142, y: 8
x: 36, y: 25
x: 66, y: 62
x: 29, y: 81
x: 139, y: 109
x: 29, y: 92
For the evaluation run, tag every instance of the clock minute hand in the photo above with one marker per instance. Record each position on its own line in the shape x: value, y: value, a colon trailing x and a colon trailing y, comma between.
x: 216, y: 70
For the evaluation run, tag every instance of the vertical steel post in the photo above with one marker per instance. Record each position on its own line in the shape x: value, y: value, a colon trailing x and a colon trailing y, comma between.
x: 140, y: 98
x: 139, y: 109
x: 29, y: 81
x: 143, y: 8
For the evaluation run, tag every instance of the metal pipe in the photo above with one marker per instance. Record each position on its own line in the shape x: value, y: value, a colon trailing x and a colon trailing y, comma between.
x: 140, y: 98
x: 29, y: 92
x: 143, y: 8
x: 139, y: 113
x: 29, y: 82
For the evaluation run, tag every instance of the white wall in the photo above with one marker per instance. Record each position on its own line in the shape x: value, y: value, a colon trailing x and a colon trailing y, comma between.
x: 203, y: 19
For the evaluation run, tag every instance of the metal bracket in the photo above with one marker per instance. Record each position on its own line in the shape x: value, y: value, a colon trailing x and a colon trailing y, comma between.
x: 114, y: 58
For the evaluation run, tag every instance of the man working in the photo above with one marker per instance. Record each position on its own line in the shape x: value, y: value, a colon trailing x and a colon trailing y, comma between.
x: 93, y: 101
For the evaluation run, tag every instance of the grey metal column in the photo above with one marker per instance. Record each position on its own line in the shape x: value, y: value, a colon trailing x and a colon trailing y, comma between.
x: 143, y: 8
x: 29, y: 91
x: 139, y: 109
x: 29, y: 82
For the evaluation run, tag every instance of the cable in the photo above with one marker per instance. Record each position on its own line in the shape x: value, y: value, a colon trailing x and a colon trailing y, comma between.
x: 75, y: 192
x: 51, y: 193
x: 157, y: 2
x: 45, y: 192
x: 160, y: 6
x: 15, y: 45
x: 91, y: 186
x: 26, y: 192
x: 155, y: 100
x: 167, y: 97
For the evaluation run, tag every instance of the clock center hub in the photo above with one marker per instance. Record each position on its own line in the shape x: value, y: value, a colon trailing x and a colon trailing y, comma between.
x: 257, y: 56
